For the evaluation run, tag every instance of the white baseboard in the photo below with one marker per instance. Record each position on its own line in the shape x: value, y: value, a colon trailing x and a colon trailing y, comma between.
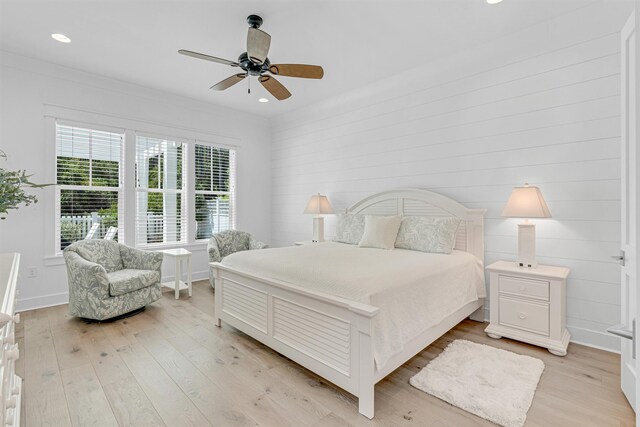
x: 33, y: 303
x: 44, y: 301
x: 595, y: 339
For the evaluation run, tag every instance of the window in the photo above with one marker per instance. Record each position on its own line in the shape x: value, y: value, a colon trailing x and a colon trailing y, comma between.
x: 214, y: 190
x: 144, y: 190
x: 88, y: 178
x: 160, y: 201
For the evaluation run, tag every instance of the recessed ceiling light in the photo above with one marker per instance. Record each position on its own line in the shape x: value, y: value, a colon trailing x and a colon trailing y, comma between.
x: 263, y: 100
x: 493, y: 1
x: 61, y: 38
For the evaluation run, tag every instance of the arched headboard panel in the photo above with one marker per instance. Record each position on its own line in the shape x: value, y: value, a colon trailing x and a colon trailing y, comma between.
x: 418, y: 202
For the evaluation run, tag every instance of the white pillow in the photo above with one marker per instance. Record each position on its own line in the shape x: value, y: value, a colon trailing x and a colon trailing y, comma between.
x: 380, y: 231
x: 350, y: 228
x: 428, y: 234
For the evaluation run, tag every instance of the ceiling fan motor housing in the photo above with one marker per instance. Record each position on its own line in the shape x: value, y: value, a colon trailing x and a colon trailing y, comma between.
x: 251, y: 67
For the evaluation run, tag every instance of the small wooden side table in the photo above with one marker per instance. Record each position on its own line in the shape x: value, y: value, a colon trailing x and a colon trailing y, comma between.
x: 179, y: 255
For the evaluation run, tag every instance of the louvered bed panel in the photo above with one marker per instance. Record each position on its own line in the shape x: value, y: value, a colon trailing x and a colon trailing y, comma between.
x: 246, y: 304
x: 385, y: 207
x: 322, y: 337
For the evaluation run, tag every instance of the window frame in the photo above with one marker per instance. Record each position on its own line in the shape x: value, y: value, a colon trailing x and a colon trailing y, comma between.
x: 130, y: 127
x: 183, y: 191
x: 232, y: 187
x: 58, y: 188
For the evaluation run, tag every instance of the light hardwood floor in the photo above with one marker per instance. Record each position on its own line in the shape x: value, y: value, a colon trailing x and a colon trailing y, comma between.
x: 171, y: 366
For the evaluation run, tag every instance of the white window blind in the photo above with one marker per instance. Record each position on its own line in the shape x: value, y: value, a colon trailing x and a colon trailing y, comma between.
x: 214, y: 190
x: 160, y: 201
x: 88, y: 191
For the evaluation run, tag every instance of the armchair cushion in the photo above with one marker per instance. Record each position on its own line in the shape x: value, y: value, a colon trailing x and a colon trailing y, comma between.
x: 128, y: 280
x: 103, y: 252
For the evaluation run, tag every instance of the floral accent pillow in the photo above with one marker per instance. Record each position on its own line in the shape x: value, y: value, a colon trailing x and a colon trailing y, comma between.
x: 428, y: 234
x: 350, y: 228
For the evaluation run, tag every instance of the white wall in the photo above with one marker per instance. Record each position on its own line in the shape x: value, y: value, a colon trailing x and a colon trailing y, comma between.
x: 29, y: 88
x: 541, y: 107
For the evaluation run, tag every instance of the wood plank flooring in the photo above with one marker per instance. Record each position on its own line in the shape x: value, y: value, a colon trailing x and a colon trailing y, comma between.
x: 170, y: 365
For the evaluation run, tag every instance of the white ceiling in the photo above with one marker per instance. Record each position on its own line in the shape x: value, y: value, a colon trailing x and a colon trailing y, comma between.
x: 357, y: 42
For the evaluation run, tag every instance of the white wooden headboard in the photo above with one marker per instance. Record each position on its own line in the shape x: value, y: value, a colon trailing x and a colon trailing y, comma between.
x: 418, y: 202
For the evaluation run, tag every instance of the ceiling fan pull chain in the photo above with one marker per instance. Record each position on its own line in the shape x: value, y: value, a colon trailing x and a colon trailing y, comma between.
x: 249, y: 89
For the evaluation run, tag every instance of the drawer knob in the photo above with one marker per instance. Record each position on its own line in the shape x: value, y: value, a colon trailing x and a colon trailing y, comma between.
x: 522, y: 315
x: 11, y: 402
x: 13, y: 353
x: 9, y: 418
x: 9, y: 339
x: 16, y: 318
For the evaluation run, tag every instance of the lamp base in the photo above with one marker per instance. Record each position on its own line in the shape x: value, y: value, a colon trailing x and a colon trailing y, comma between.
x: 318, y: 229
x: 527, y: 245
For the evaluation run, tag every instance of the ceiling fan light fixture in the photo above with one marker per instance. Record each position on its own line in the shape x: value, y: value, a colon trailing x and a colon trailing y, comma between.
x: 493, y: 1
x: 61, y: 38
x: 263, y: 100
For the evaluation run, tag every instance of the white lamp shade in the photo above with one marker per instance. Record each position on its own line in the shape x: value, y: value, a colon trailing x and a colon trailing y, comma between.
x: 318, y: 204
x: 526, y: 202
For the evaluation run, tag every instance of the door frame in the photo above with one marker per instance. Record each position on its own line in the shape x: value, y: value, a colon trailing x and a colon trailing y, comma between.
x: 636, y: 12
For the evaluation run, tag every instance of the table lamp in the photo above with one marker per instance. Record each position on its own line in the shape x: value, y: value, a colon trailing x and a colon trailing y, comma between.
x: 526, y: 202
x: 318, y: 205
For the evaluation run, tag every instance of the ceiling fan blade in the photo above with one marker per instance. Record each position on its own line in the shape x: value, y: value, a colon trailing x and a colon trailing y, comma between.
x: 228, y: 82
x: 258, y: 43
x: 297, y: 70
x: 275, y: 88
x: 208, y: 58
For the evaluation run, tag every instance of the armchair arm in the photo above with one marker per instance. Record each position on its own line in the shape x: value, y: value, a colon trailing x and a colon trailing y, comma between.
x: 86, y: 275
x: 256, y: 244
x: 213, y: 250
x: 140, y: 260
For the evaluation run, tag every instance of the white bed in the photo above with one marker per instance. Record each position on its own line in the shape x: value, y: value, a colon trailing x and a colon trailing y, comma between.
x: 353, y: 315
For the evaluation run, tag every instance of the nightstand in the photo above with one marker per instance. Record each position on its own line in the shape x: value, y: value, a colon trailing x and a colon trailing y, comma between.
x: 529, y: 304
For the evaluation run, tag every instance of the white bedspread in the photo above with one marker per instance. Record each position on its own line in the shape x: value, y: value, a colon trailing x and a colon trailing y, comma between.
x: 413, y: 290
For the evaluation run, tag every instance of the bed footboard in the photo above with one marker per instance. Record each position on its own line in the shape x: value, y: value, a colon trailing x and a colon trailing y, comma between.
x: 328, y: 335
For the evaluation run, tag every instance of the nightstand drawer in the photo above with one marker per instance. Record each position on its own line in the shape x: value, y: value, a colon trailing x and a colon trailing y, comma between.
x: 538, y: 289
x: 528, y: 316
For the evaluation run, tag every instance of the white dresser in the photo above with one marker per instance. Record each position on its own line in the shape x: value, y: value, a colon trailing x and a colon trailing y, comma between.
x: 529, y: 304
x: 11, y: 390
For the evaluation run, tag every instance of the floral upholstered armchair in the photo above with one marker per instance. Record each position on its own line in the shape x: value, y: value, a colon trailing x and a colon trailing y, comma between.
x: 228, y: 242
x: 108, y: 279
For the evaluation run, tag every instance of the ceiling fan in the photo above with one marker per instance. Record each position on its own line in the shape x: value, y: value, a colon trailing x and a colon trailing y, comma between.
x: 254, y: 62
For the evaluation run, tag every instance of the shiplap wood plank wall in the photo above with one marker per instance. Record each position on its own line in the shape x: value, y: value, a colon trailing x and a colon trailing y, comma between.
x: 542, y: 106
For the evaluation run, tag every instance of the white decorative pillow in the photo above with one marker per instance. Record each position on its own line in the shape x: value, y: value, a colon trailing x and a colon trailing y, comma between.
x: 428, y: 234
x: 350, y: 228
x: 380, y: 231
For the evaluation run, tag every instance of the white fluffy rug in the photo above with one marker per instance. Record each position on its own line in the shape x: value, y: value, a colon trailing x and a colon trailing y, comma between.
x: 494, y: 384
